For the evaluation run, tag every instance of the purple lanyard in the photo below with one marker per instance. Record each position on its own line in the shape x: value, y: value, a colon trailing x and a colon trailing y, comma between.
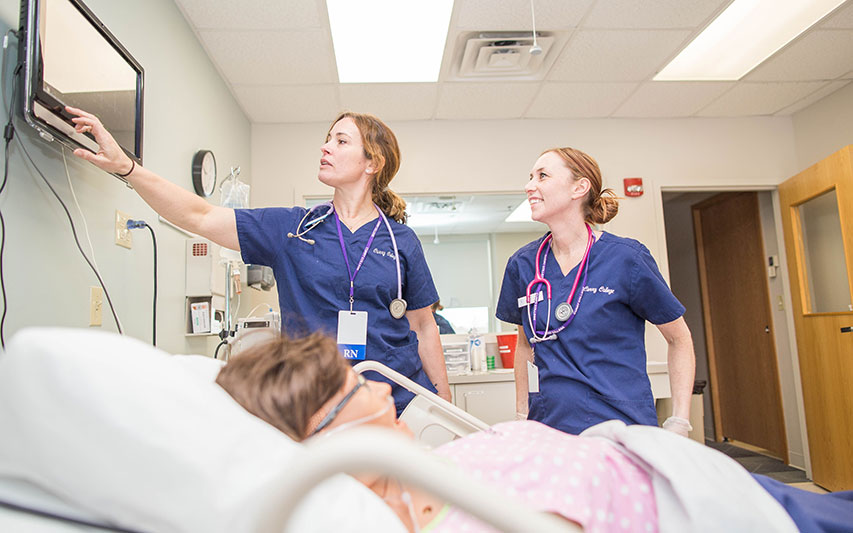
x: 352, y: 274
x: 583, y: 266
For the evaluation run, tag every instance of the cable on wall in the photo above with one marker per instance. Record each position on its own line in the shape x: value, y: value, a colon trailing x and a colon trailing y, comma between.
x: 74, y: 233
x: 8, y: 134
x: 138, y: 224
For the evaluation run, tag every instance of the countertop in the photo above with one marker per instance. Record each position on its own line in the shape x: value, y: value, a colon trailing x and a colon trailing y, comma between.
x: 501, y: 374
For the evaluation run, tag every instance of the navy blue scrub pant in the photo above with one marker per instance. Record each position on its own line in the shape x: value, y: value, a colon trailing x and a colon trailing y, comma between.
x: 832, y: 512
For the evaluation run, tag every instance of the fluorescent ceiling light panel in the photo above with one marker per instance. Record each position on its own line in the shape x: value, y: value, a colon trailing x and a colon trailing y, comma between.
x: 386, y: 41
x: 521, y: 213
x: 743, y: 36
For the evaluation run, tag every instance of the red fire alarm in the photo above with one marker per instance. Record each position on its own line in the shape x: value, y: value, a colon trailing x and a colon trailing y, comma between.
x: 633, y: 187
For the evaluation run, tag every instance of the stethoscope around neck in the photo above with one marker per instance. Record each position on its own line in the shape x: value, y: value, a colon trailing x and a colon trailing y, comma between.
x: 398, y: 305
x: 564, y: 312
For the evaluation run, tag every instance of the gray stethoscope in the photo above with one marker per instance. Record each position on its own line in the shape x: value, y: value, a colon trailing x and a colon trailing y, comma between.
x: 398, y: 305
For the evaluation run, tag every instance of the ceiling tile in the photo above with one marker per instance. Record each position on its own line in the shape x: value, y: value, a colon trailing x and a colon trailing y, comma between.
x: 630, y: 14
x: 821, y: 93
x: 257, y: 14
x: 275, y: 52
x: 579, y: 100
x: 609, y: 55
x: 258, y: 57
x: 819, y: 55
x: 514, y: 15
x: 671, y: 99
x: 747, y: 99
x: 391, y: 101
x: 484, y: 100
x: 843, y: 18
x: 289, y: 103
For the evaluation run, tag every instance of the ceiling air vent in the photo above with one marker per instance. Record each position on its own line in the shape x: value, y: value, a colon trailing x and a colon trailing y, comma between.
x: 504, y: 55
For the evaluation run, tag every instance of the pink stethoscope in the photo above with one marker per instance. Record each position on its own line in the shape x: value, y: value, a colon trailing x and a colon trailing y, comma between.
x: 564, y: 311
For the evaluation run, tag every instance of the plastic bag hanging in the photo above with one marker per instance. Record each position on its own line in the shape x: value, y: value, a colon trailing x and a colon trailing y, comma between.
x: 234, y: 193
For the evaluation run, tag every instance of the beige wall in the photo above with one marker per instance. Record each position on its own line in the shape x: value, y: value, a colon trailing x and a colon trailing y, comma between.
x: 684, y: 281
x: 504, y: 245
x: 495, y: 156
x: 824, y: 127
x: 187, y: 107
x: 788, y: 377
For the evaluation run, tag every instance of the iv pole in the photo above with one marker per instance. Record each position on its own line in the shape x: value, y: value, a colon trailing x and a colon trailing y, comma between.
x: 226, y: 331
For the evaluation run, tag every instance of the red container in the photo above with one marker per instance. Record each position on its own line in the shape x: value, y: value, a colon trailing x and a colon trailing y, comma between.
x: 506, y: 348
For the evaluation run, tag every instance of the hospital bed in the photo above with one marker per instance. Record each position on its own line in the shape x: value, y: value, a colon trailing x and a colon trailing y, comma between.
x: 104, y: 433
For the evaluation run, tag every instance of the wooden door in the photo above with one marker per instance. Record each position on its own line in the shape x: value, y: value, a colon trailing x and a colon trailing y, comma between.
x: 817, y: 205
x: 742, y: 363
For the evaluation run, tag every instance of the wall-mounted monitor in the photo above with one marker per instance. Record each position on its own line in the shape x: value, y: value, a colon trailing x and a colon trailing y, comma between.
x: 71, y: 58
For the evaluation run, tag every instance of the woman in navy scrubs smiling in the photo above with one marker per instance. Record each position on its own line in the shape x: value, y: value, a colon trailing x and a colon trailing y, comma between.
x: 581, y: 299
x: 350, y: 268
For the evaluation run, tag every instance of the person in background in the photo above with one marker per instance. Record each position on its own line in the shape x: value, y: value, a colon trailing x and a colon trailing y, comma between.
x: 443, y: 324
x: 581, y: 299
x: 342, y: 268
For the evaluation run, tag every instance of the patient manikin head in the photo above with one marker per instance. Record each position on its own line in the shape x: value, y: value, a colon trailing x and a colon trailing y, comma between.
x: 304, y: 386
x: 358, y: 402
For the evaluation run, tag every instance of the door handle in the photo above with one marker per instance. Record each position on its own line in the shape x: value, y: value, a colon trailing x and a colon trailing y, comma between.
x: 848, y: 329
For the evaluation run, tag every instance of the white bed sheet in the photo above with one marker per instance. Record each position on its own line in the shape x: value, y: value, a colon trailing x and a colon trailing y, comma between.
x: 146, y: 440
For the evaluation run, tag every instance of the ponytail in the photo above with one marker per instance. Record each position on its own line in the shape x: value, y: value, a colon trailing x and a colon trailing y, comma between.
x: 390, y: 203
x: 603, y: 208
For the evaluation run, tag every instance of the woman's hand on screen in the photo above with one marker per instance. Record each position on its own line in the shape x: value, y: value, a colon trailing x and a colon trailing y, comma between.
x: 110, y: 156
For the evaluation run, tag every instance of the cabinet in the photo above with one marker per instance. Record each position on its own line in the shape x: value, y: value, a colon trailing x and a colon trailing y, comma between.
x: 489, y: 396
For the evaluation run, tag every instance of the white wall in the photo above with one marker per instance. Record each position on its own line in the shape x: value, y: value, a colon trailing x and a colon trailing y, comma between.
x: 495, y: 156
x: 788, y: 378
x: 684, y: 281
x: 504, y: 245
x: 824, y: 127
x: 460, y: 267
x: 187, y: 107
x: 468, y: 269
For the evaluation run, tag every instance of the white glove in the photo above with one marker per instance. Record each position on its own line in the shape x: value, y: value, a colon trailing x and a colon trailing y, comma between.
x: 520, y: 416
x: 678, y: 425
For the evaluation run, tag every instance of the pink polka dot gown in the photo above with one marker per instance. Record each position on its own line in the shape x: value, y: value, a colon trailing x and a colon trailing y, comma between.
x: 583, y: 479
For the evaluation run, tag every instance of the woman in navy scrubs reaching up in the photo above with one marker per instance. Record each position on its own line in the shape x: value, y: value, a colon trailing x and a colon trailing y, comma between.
x: 349, y: 268
x: 581, y: 299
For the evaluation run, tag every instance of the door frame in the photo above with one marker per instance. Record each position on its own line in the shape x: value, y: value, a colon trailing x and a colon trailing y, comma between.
x: 704, y: 262
x: 783, y: 272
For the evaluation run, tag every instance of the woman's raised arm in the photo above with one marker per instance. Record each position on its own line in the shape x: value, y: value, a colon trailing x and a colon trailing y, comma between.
x: 174, y: 203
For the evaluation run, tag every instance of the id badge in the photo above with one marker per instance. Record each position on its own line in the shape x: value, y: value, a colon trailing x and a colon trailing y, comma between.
x: 352, y: 334
x: 532, y: 377
x: 534, y: 298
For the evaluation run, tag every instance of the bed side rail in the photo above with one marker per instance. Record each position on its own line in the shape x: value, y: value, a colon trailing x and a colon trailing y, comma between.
x: 456, y: 419
x: 383, y: 451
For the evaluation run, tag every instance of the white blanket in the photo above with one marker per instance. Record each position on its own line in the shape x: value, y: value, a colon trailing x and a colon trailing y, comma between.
x: 696, y: 488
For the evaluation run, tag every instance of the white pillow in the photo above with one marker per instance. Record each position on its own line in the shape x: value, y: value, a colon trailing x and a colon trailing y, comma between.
x: 149, y: 441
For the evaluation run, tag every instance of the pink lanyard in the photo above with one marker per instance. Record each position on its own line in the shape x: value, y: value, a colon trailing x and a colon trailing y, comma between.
x: 539, y: 277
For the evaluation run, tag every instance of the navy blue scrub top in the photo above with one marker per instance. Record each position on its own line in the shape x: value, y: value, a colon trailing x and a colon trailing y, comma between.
x: 596, y: 368
x: 313, y: 284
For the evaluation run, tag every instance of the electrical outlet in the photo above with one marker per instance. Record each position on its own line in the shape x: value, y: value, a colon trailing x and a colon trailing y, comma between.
x: 96, y: 305
x: 123, y: 237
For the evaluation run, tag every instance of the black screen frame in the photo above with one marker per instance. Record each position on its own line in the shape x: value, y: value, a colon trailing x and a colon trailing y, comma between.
x: 35, y: 95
